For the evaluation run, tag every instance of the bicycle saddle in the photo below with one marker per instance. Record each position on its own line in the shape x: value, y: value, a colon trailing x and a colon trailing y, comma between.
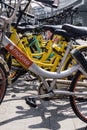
x: 65, y: 34
x: 23, y: 29
x: 78, y: 31
x: 52, y: 28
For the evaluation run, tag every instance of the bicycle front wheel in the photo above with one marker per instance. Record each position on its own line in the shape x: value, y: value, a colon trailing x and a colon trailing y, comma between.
x: 79, y: 103
x: 3, y: 82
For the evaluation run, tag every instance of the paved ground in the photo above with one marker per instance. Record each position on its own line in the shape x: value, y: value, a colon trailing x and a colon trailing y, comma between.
x: 15, y: 114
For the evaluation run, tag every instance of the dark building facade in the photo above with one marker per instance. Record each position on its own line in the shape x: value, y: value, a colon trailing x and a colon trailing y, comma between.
x: 81, y: 16
x: 83, y: 13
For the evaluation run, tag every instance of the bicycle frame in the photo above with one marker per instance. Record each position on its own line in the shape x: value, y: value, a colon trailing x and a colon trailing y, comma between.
x: 35, y: 41
x: 55, y: 55
x: 43, y: 61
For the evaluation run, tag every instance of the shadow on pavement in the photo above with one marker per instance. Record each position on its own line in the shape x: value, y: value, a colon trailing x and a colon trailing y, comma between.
x: 50, y: 112
x: 83, y: 128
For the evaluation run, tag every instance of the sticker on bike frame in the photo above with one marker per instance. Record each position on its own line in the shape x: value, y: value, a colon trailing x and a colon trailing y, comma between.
x: 19, y: 55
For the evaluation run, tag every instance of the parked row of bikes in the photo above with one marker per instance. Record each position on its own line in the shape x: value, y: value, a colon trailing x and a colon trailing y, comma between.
x: 24, y: 49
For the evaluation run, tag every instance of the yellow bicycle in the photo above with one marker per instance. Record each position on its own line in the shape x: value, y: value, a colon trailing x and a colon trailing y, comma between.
x: 56, y: 49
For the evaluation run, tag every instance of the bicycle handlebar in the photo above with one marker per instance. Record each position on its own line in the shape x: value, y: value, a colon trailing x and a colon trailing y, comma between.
x: 9, y: 20
x: 21, y: 12
x: 7, y: 5
x: 24, y: 13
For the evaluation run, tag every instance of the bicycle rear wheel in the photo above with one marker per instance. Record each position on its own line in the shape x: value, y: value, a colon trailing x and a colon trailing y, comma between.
x: 79, y: 103
x: 3, y: 82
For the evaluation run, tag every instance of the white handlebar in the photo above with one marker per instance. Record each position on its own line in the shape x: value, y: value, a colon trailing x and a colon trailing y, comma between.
x: 9, y: 20
x: 15, y: 11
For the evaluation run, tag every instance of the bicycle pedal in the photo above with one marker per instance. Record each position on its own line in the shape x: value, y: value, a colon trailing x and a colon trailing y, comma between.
x: 31, y: 102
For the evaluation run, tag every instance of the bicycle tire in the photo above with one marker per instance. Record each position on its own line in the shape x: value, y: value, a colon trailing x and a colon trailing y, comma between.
x: 3, y: 82
x: 79, y: 104
x: 75, y: 77
x: 70, y: 62
x: 8, y: 59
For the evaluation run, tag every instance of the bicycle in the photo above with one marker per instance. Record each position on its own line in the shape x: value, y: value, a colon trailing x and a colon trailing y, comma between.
x: 59, y: 51
x: 51, y: 65
x: 45, y: 55
x: 4, y: 73
x: 44, y: 74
